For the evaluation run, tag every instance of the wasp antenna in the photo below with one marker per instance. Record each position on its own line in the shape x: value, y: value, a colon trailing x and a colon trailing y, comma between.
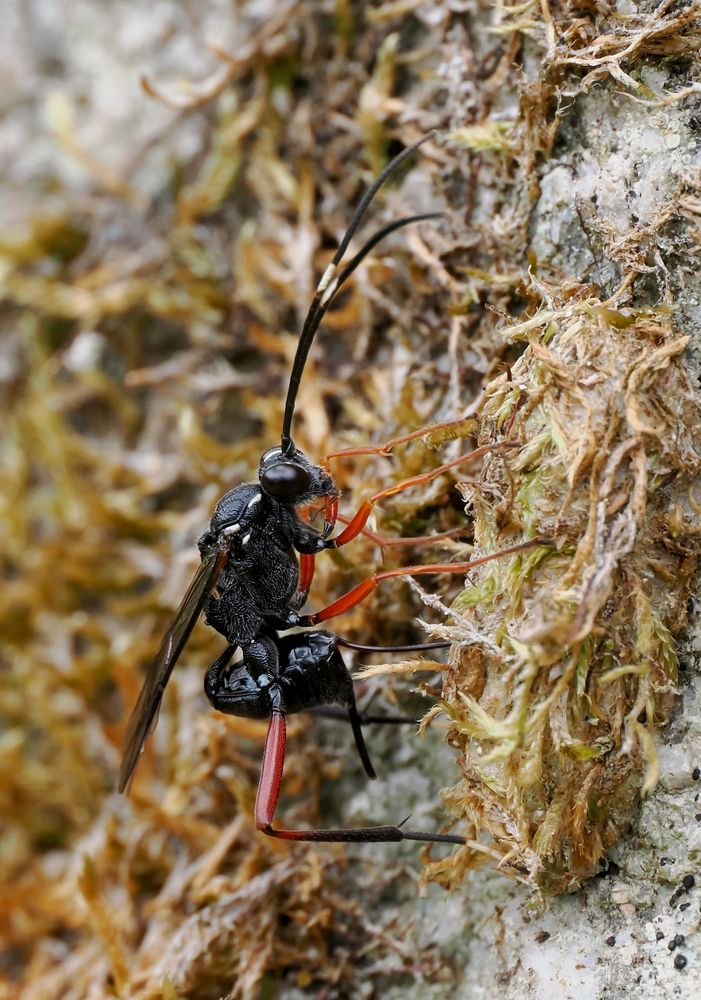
x: 345, y: 274
x: 330, y: 284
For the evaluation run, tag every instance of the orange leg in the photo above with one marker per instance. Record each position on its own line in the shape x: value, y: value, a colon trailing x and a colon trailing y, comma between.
x: 364, y: 589
x: 306, y: 561
x: 330, y: 514
x: 387, y: 543
x: 306, y: 575
x: 356, y: 525
x: 358, y: 522
x: 386, y: 448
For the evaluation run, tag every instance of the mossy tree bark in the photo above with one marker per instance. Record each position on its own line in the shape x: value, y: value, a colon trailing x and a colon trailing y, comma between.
x: 173, y: 244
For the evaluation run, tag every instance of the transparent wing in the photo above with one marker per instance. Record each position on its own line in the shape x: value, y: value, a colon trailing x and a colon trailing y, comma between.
x: 146, y: 709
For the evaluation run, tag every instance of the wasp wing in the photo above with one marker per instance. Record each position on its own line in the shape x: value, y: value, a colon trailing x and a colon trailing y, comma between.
x: 143, y: 717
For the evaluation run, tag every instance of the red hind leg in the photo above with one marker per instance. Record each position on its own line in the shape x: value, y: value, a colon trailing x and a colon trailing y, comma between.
x: 269, y: 792
x: 271, y: 771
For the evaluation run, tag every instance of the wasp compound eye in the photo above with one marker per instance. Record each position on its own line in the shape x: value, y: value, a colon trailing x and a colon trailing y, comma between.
x: 285, y: 480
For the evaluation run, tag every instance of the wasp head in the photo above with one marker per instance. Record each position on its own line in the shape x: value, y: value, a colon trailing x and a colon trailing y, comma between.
x: 292, y: 478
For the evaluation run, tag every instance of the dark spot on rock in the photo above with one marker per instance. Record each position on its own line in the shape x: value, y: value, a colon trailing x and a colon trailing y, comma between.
x: 542, y: 936
x: 688, y: 882
x: 659, y: 936
x: 679, y: 961
x: 610, y: 941
x: 696, y: 773
x: 685, y: 906
x: 608, y: 868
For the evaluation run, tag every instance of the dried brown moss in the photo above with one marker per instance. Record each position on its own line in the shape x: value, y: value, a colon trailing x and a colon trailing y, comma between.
x: 146, y: 344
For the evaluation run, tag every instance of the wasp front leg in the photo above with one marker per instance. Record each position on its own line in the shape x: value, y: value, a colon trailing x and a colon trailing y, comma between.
x: 307, y: 566
x: 449, y: 430
x: 357, y: 523
x: 360, y: 592
x: 309, y: 542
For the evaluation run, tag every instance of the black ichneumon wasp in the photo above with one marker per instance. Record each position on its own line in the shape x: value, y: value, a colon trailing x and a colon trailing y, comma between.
x: 250, y: 585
